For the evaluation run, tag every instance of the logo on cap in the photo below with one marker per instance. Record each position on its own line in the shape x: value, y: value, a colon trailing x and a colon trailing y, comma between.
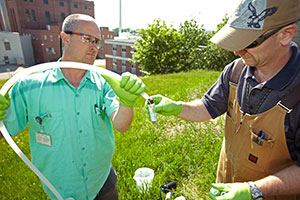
x: 255, y: 19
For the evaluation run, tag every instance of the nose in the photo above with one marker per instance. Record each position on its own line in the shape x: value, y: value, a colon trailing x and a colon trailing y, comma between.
x: 94, y: 46
x: 240, y: 52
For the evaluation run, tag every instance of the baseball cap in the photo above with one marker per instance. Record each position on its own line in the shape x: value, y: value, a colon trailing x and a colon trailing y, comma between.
x: 252, y: 18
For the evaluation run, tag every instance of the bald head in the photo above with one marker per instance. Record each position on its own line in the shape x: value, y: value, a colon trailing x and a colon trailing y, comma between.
x: 71, y: 22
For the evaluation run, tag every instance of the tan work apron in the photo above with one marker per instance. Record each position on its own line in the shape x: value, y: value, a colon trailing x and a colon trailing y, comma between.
x: 245, y: 156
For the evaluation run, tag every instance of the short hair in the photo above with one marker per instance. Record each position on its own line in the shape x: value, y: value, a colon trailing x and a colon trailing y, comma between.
x: 70, y: 22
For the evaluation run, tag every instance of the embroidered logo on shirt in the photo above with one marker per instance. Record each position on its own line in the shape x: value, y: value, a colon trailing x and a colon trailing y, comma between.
x: 252, y: 158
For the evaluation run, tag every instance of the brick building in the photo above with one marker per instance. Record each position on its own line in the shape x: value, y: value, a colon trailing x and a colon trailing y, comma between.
x: 105, y: 35
x: 118, y: 56
x: 43, y: 20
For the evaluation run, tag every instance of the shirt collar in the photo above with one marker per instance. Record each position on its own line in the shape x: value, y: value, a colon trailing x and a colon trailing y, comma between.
x: 287, y: 74
x: 56, y: 75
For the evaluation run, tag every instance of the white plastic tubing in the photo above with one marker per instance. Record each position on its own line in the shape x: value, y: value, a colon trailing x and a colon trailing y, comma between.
x: 37, y: 68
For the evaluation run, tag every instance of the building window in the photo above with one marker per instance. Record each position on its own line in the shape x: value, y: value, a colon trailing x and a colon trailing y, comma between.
x: 51, y: 38
x: 47, y: 14
x: 114, y: 65
x: 89, y: 8
x: 61, y: 4
x: 25, y: 0
x: 114, y: 50
x: 7, y: 46
x: 85, y: 7
x: 123, y: 66
x: 31, y: 1
x: 133, y: 69
x: 45, y: 38
x: 62, y: 17
x: 123, y: 51
x: 27, y: 15
x: 75, y: 5
x: 33, y: 15
x: 50, y: 51
x: 46, y: 2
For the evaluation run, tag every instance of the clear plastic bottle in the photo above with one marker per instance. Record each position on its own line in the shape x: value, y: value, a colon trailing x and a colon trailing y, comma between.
x: 153, y: 115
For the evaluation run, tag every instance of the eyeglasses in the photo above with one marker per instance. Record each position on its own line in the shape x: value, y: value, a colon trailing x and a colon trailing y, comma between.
x: 262, y: 38
x: 87, y: 38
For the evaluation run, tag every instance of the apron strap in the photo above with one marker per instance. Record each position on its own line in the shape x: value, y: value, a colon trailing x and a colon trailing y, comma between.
x: 236, y: 71
x: 289, y: 101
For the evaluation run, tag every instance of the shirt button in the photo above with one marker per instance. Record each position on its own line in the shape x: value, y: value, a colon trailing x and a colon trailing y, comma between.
x: 76, y: 95
x: 84, y: 164
x: 80, y: 131
x: 78, y: 113
x: 83, y: 148
x: 251, y: 107
x: 86, y: 178
x: 253, y: 93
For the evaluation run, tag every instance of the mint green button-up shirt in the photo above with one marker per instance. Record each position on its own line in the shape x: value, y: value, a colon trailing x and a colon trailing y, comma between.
x: 82, y: 142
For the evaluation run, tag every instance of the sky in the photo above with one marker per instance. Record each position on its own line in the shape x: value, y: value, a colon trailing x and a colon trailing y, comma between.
x: 139, y: 13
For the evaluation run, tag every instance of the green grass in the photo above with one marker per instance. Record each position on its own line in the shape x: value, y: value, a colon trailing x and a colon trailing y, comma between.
x: 177, y: 150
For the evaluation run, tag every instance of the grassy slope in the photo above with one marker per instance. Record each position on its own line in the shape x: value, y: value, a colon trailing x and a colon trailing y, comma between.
x: 177, y: 150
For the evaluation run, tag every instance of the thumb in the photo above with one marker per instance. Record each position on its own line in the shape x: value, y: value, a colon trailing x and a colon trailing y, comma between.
x: 114, y: 83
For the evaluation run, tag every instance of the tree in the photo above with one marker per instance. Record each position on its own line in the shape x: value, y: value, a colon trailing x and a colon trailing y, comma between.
x: 193, y: 40
x: 214, y: 57
x: 156, y: 51
x: 164, y: 49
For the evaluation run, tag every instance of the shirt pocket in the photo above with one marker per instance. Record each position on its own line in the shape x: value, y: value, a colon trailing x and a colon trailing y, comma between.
x: 52, y: 125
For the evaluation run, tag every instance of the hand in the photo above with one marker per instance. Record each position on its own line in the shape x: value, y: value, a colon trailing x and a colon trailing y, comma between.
x: 233, y: 191
x: 128, y: 89
x: 4, y: 104
x: 165, y: 106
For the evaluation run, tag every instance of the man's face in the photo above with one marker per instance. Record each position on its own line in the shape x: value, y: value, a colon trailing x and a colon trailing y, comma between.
x: 261, y: 54
x: 83, y: 48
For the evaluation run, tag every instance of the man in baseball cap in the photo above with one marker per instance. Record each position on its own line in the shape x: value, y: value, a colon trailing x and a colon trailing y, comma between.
x: 260, y: 156
x: 252, y: 19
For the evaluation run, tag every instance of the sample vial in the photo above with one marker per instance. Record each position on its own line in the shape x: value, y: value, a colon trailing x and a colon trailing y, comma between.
x: 214, y: 192
x: 153, y: 115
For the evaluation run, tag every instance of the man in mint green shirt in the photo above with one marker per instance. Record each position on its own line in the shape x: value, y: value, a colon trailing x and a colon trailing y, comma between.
x: 70, y: 113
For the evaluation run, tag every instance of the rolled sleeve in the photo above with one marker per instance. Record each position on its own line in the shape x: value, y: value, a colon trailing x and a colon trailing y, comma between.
x: 215, y: 100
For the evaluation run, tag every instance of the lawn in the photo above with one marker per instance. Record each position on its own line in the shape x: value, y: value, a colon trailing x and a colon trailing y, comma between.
x: 177, y: 150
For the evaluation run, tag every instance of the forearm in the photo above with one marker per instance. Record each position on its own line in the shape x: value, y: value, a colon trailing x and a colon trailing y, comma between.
x: 194, y: 111
x: 122, y: 118
x: 284, y: 182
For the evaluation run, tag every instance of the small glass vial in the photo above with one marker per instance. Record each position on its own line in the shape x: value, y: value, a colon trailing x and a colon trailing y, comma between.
x: 214, y: 192
x: 153, y: 115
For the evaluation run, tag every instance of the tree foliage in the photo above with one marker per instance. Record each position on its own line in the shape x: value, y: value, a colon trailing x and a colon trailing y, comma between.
x: 164, y: 49
x: 214, y: 57
x: 156, y: 51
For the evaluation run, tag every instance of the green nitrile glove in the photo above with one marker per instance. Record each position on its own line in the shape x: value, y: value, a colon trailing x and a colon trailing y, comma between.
x: 234, y: 191
x: 128, y: 89
x: 4, y: 104
x: 165, y: 106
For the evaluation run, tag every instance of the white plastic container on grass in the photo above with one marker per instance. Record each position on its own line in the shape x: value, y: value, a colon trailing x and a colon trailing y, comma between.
x: 143, y: 178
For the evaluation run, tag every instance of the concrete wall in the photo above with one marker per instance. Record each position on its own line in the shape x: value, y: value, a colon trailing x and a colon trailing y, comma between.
x: 15, y: 53
x: 27, y: 49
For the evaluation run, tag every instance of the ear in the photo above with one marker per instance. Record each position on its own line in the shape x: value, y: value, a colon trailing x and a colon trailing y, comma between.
x: 65, y: 38
x: 287, y: 34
